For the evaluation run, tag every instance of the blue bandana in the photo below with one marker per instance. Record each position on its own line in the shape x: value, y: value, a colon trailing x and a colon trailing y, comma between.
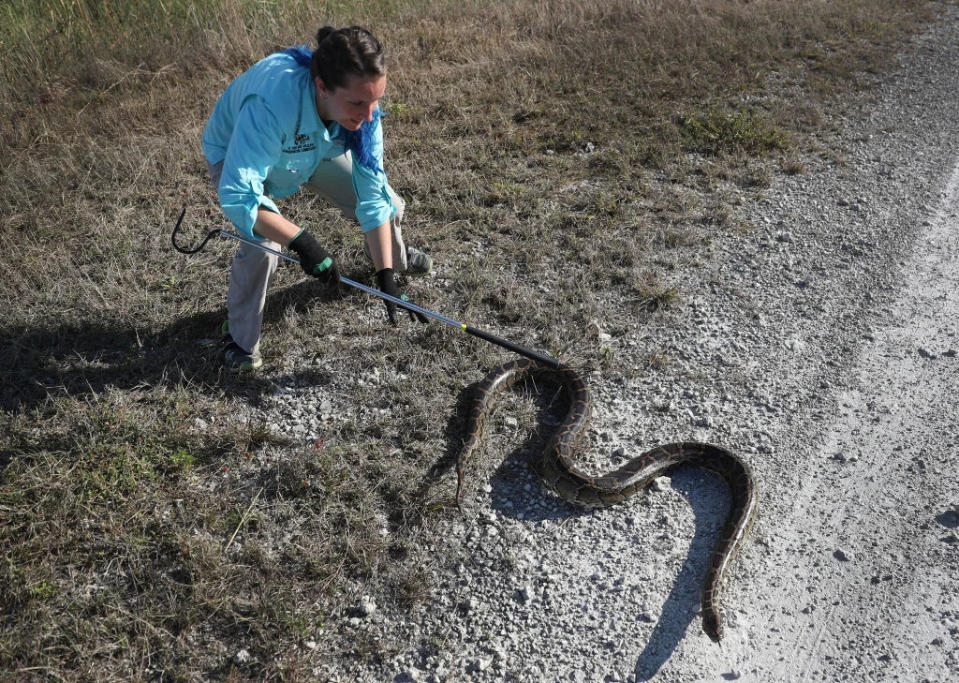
x: 358, y: 142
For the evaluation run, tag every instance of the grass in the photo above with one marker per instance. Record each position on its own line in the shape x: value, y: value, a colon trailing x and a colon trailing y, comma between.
x: 717, y: 132
x: 564, y: 162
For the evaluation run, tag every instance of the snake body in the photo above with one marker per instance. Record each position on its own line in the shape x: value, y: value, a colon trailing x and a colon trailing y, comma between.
x: 558, y: 470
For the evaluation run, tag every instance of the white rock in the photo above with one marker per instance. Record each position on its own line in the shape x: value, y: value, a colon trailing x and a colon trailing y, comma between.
x: 367, y: 606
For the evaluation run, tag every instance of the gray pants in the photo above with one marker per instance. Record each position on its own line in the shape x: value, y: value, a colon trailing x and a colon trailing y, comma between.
x: 253, y: 269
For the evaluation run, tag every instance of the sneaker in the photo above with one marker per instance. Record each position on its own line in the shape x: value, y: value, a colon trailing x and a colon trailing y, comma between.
x: 418, y: 263
x: 238, y: 360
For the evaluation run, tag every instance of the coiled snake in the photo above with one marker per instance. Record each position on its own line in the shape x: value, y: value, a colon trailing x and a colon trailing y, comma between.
x: 557, y: 468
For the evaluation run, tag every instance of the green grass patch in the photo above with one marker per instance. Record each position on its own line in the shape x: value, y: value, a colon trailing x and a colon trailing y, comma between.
x: 717, y: 132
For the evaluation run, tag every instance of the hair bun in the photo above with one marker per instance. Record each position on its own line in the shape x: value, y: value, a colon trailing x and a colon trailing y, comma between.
x: 345, y: 52
x: 323, y: 33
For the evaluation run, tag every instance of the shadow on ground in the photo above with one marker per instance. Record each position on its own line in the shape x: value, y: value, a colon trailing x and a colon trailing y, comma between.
x: 85, y: 358
x: 680, y: 613
x: 681, y: 610
x: 477, y: 467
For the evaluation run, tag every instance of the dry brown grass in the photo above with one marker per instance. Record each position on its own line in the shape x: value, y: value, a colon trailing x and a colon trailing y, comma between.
x: 564, y: 162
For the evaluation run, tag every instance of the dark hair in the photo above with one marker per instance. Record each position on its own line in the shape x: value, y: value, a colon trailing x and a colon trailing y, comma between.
x: 344, y: 52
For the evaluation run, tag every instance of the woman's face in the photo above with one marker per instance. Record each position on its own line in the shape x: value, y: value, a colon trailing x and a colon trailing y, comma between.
x: 351, y: 104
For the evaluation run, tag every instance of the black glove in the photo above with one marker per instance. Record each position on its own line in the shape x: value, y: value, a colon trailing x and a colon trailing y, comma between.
x: 388, y: 286
x: 314, y: 259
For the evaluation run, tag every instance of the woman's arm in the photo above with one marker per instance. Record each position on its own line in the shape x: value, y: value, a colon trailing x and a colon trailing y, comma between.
x: 380, y: 242
x: 274, y: 227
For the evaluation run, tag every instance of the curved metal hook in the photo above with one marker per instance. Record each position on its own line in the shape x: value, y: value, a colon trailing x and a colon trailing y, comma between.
x: 184, y: 250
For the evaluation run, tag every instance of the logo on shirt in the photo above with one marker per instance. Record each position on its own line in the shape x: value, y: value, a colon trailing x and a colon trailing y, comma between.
x: 301, y: 143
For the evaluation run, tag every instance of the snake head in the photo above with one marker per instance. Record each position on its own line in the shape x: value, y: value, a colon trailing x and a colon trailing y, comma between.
x: 712, y: 626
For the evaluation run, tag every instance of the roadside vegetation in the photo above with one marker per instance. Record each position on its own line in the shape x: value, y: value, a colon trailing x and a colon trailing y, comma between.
x: 566, y: 164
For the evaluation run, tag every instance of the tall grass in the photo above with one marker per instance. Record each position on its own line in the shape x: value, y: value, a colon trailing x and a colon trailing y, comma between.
x: 46, y: 41
x: 74, y: 43
x: 59, y: 56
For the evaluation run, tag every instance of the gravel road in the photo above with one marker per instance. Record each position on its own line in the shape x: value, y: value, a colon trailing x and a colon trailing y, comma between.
x: 821, y: 345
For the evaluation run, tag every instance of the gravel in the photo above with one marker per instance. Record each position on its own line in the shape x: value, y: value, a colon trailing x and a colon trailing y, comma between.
x: 820, y: 345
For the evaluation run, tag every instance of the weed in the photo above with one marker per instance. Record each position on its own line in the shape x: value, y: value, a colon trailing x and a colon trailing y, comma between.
x: 652, y: 295
x: 43, y: 591
x: 718, y: 132
x: 794, y: 167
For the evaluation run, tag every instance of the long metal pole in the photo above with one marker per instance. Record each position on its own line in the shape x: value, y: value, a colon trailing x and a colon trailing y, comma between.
x: 487, y: 336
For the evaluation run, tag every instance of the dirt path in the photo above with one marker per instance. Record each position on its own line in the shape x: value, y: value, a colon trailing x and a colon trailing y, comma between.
x: 858, y: 576
x: 864, y: 583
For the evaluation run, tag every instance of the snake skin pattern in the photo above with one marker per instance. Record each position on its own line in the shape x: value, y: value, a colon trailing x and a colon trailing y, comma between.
x: 560, y: 474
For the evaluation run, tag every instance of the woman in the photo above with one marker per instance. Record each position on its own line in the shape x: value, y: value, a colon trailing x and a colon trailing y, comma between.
x: 300, y: 118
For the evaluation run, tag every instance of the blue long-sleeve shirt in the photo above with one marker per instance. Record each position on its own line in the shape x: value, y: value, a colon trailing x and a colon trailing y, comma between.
x: 267, y: 132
